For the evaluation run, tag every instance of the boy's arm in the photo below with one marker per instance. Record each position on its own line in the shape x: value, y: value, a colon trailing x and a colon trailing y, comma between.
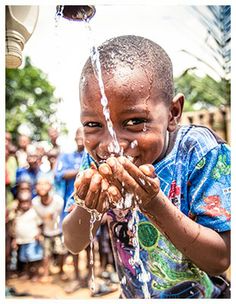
x: 76, y: 229
x: 91, y: 189
x: 206, y: 248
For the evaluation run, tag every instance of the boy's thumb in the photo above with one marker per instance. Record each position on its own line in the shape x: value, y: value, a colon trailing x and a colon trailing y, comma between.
x: 148, y: 170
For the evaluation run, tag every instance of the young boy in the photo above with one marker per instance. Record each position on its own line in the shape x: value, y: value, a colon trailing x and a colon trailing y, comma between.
x: 27, y: 232
x: 11, y: 212
x: 179, y: 178
x: 49, y: 207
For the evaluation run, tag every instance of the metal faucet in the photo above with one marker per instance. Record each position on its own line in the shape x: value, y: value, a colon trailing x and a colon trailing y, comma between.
x: 76, y: 12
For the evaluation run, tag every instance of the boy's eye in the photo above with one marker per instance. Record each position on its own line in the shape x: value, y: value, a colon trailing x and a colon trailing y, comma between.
x: 92, y: 124
x: 135, y: 122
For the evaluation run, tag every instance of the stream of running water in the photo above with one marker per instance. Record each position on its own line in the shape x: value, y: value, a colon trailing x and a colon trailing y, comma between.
x: 114, y: 149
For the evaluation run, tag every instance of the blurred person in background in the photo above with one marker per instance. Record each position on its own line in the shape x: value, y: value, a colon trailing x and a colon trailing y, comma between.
x: 54, y: 138
x: 23, y: 142
x: 48, y: 206
x: 26, y: 236
x: 67, y: 167
x: 58, y: 185
x: 32, y: 171
x: 10, y: 168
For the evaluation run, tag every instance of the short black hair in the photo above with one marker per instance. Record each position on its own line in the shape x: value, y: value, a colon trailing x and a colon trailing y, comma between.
x: 134, y: 50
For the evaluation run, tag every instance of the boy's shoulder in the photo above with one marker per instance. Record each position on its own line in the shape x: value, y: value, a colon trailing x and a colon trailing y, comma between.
x: 190, y: 143
x: 199, y: 132
x: 197, y: 137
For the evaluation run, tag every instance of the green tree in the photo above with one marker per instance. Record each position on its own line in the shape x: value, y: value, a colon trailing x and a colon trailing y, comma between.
x: 30, y: 100
x: 202, y: 92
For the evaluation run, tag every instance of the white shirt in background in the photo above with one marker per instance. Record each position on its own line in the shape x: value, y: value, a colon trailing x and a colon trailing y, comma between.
x: 50, y: 214
x: 27, y: 226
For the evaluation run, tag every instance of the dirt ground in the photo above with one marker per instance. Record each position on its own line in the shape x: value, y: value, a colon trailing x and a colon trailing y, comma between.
x: 56, y: 288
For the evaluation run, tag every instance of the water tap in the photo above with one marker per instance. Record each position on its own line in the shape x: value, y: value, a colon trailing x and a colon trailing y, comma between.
x: 76, y: 12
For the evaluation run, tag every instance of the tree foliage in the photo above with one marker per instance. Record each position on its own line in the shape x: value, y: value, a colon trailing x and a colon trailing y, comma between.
x: 202, y: 92
x: 29, y: 100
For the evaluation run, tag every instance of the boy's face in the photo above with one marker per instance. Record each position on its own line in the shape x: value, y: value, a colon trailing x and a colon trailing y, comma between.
x: 25, y: 205
x: 52, y: 156
x: 33, y: 160
x: 43, y: 187
x: 140, y: 119
x: 23, y: 141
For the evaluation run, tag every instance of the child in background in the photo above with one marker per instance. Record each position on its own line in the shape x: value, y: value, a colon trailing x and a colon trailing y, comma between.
x: 11, y: 210
x: 32, y: 171
x: 27, y: 234
x: 178, y: 177
x: 58, y: 186
x: 48, y: 206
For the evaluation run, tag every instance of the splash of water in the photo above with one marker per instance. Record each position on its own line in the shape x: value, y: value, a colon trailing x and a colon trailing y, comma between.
x: 94, y: 215
x: 143, y: 277
x: 114, y: 146
x: 59, y: 15
x: 92, y: 221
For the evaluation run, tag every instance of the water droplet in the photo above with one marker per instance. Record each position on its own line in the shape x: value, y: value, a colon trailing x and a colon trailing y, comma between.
x: 123, y: 280
x: 145, y: 127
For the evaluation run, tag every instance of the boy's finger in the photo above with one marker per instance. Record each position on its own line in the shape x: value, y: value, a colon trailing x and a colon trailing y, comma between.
x: 107, y: 172
x: 147, y: 183
x: 120, y: 174
x: 116, y: 168
x: 94, y: 190
x: 103, y: 203
x: 114, y: 195
x: 82, y: 183
x: 148, y: 170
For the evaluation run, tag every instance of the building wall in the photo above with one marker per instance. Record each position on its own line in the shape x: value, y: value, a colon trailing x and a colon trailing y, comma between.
x: 218, y: 120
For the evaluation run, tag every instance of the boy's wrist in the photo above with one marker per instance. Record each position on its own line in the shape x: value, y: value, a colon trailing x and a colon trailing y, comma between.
x: 81, y: 203
x: 154, y: 206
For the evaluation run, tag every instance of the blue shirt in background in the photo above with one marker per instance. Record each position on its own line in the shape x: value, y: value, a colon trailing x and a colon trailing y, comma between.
x: 66, y: 162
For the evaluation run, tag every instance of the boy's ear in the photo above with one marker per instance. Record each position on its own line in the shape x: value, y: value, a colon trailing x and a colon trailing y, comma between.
x: 175, y: 112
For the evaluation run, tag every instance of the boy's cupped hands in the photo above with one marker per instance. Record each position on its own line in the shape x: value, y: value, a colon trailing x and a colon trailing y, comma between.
x: 117, y: 183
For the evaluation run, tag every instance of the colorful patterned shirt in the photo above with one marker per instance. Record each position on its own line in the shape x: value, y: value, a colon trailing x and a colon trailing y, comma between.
x: 195, y: 176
